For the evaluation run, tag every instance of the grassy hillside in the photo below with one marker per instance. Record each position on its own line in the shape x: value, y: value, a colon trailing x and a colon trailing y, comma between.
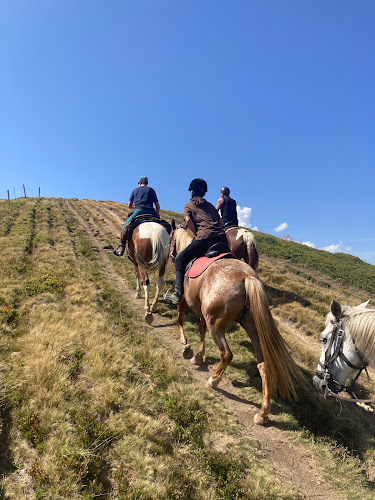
x: 94, y: 405
x: 346, y: 269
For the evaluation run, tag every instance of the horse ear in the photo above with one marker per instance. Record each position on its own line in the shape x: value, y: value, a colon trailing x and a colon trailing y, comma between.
x: 173, y: 224
x: 364, y: 305
x: 336, y: 309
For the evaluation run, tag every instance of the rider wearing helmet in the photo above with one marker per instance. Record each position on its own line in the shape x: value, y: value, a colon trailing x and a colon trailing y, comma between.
x: 143, y: 198
x: 203, y: 220
x: 227, y: 207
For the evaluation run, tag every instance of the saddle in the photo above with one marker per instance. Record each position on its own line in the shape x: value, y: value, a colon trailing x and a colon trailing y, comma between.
x: 127, y: 232
x: 197, y: 266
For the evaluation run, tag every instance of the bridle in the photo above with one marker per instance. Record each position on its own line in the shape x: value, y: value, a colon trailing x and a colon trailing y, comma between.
x: 324, y: 381
x: 173, y: 246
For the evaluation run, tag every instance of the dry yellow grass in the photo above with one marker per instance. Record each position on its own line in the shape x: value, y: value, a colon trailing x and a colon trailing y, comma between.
x: 95, y: 406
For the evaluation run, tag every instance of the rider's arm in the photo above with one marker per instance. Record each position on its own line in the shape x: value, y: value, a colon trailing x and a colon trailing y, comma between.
x: 219, y: 203
x: 130, y: 204
x: 157, y: 207
x: 190, y: 224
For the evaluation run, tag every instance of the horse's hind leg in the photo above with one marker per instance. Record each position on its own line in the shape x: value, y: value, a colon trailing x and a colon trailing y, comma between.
x: 187, y: 351
x: 138, y: 294
x: 218, y: 336
x: 159, y: 284
x: 247, y: 323
x: 198, y: 358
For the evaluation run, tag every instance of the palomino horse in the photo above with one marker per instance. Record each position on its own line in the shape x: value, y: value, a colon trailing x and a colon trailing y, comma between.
x: 230, y: 290
x: 243, y: 245
x: 348, y: 346
x: 148, y: 250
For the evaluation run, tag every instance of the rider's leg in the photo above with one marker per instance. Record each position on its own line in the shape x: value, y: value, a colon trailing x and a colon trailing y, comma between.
x: 120, y: 249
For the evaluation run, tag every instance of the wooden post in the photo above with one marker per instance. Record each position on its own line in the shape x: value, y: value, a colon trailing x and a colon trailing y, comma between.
x: 14, y: 191
x: 39, y: 192
x: 8, y: 197
x: 24, y: 190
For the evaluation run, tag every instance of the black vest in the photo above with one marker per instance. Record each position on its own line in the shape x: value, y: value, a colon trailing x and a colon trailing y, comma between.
x: 229, y: 211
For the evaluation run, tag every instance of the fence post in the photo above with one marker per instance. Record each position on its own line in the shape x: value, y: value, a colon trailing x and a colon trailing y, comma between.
x: 24, y: 190
x: 8, y: 197
x: 39, y: 192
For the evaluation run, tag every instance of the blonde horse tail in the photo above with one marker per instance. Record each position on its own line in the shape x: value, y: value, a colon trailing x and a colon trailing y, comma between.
x: 279, y: 364
x: 251, y: 248
x: 160, y: 247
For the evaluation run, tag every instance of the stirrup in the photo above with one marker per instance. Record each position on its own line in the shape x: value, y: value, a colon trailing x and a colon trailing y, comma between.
x: 174, y: 297
x: 119, y: 250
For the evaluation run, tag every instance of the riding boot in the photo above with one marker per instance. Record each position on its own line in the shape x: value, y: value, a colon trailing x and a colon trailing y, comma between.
x: 176, y: 296
x: 125, y: 236
x: 119, y: 250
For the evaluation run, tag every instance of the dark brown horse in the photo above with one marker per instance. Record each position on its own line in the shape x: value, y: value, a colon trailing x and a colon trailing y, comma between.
x: 230, y: 290
x: 243, y: 245
x: 148, y: 249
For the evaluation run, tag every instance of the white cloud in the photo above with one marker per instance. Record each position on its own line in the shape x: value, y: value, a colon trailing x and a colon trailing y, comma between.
x: 335, y: 247
x: 281, y: 227
x: 244, y: 215
x: 308, y: 243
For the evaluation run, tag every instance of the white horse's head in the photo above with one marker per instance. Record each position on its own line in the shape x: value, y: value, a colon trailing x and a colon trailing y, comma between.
x: 339, y: 358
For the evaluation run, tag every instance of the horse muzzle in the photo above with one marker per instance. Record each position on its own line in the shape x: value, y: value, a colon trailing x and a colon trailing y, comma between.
x: 321, y: 383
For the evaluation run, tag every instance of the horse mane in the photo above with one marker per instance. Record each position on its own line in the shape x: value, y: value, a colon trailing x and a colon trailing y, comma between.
x: 359, y: 323
x: 183, y: 238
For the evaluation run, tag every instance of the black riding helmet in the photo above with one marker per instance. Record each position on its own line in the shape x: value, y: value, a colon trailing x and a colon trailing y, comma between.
x: 225, y: 191
x: 199, y: 186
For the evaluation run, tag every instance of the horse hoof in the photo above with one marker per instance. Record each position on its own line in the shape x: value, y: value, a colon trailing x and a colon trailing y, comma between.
x: 261, y: 420
x: 138, y: 296
x: 213, y: 383
x: 187, y: 352
x: 197, y: 359
x: 149, y: 318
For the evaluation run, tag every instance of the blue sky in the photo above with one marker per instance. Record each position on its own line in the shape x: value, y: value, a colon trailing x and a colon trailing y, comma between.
x: 272, y: 98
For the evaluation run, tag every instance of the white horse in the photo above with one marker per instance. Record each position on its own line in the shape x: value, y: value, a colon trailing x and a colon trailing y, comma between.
x: 348, y: 347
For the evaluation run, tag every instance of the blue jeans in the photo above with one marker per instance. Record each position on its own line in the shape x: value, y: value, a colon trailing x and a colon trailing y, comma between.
x: 139, y: 211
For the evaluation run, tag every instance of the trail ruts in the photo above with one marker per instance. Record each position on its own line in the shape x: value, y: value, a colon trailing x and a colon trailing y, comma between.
x: 293, y: 464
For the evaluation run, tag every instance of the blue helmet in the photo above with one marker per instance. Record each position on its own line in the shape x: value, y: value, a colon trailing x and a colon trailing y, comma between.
x: 143, y: 180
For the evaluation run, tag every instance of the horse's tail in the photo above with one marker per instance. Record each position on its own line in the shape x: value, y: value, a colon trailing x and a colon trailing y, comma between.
x: 159, y: 240
x: 160, y: 246
x: 279, y: 365
x: 251, y: 248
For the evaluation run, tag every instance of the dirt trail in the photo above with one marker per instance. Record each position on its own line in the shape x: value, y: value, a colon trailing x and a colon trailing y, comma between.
x: 291, y: 462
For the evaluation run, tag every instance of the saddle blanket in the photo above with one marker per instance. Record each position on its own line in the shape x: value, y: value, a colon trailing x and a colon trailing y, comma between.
x: 199, y: 265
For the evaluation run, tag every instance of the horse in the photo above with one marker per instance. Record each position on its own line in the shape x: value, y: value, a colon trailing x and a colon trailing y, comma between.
x: 230, y: 290
x: 148, y: 249
x: 243, y: 245
x: 348, y: 346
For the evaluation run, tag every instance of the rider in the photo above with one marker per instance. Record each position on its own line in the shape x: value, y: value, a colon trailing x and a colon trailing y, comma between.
x: 143, y: 198
x: 204, y: 221
x: 227, y: 207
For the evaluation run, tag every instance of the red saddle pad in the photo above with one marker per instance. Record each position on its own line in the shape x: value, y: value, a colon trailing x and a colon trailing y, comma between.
x: 202, y: 263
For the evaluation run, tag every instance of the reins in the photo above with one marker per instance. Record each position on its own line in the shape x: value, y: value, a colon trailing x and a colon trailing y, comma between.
x: 337, y: 336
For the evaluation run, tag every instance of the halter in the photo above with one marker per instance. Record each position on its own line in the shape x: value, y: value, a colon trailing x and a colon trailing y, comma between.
x: 325, y: 378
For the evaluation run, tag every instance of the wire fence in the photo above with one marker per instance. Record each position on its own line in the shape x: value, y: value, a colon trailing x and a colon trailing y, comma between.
x: 22, y: 192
